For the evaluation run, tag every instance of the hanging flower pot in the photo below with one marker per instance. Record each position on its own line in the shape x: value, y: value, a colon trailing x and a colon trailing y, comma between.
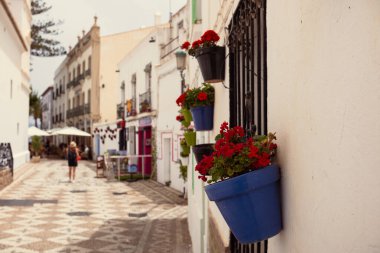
x: 202, y: 150
x: 185, y: 151
x: 182, y: 120
x: 250, y: 203
x: 211, y: 61
x: 190, y: 137
x: 203, y: 117
x: 244, y: 184
x: 211, y: 58
x: 186, y: 114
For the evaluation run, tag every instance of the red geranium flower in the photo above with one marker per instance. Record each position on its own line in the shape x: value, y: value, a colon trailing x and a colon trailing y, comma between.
x: 196, y: 44
x: 235, y: 154
x: 180, y: 118
x: 210, y: 36
x: 185, y: 45
x: 181, y: 99
x: 202, y: 96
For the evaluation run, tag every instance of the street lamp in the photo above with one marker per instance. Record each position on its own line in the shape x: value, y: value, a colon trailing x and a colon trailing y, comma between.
x: 181, y: 66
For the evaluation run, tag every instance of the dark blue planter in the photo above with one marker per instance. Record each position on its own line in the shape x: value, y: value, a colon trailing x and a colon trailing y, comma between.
x: 250, y: 203
x: 203, y: 117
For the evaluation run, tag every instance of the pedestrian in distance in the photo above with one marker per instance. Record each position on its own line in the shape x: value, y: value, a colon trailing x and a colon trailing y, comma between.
x: 72, y: 157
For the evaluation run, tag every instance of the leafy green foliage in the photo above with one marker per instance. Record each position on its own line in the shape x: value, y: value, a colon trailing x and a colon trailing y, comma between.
x: 35, y: 106
x: 36, y: 144
x: 194, y: 96
x: 42, y: 33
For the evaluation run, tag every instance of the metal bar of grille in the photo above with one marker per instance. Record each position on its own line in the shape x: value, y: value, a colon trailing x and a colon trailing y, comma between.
x: 259, y: 122
x: 248, y: 82
x: 252, y: 46
x: 265, y: 70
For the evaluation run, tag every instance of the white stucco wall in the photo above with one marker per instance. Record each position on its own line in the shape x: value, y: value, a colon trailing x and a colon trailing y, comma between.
x: 14, y: 90
x: 169, y: 88
x: 112, y: 51
x: 215, y: 16
x: 47, y: 108
x: 108, y: 143
x: 323, y: 99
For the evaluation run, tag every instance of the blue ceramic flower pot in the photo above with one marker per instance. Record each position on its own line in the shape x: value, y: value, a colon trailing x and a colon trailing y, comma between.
x: 203, y: 117
x: 250, y: 203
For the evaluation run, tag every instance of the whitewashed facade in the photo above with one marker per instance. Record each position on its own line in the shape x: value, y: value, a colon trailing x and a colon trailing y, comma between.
x: 168, y: 133
x: 138, y: 77
x: 15, y: 20
x: 47, y: 108
x: 323, y: 95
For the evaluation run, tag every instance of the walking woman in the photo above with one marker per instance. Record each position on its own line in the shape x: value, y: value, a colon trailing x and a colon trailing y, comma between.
x: 72, y: 157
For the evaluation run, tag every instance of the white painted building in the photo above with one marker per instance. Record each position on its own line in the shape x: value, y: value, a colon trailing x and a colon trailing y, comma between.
x: 168, y: 133
x: 88, y: 77
x: 47, y: 108
x: 138, y: 77
x: 321, y: 70
x: 15, y: 20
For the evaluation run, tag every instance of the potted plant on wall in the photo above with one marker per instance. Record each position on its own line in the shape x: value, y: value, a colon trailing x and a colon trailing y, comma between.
x: 36, y: 148
x: 185, y: 149
x: 201, y: 103
x: 211, y: 57
x: 185, y: 107
x: 202, y: 150
x: 243, y: 183
x: 180, y: 118
x: 190, y: 136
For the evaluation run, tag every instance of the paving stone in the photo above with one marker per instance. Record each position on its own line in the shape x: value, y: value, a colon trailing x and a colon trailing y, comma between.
x: 42, y: 212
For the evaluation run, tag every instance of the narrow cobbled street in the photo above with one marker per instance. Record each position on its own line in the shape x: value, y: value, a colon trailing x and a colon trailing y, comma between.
x: 43, y: 212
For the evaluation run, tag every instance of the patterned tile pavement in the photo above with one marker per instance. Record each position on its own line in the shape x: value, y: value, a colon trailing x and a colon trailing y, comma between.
x: 42, y: 212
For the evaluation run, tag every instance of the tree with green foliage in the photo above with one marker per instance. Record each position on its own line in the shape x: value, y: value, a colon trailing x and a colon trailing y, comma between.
x: 36, y: 145
x: 42, y: 33
x: 35, y: 107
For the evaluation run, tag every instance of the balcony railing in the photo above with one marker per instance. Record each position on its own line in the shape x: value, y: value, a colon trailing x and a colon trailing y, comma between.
x: 80, y: 77
x: 76, y: 81
x: 169, y: 47
x: 87, y: 72
x: 78, y: 111
x: 145, y: 102
x: 131, y: 107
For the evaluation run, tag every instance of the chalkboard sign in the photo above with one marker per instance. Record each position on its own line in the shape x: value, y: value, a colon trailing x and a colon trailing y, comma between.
x: 6, y: 157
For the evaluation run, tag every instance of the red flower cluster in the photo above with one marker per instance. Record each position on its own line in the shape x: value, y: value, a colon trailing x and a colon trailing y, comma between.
x: 210, y: 36
x: 202, y: 96
x: 204, y: 166
x: 180, y: 118
x: 185, y: 45
x: 236, y: 154
x: 196, y: 44
x: 181, y: 99
x: 208, y: 39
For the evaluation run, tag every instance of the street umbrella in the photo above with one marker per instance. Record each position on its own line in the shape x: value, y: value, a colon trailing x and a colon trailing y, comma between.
x: 51, y: 131
x: 71, y: 131
x: 34, y: 131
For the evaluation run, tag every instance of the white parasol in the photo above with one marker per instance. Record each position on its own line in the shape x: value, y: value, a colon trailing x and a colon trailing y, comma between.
x: 71, y: 131
x: 34, y: 131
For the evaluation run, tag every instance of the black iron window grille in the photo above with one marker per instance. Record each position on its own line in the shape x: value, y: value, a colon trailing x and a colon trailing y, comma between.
x: 248, y: 81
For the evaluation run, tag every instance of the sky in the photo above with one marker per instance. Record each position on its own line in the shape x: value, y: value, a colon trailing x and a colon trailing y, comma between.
x: 114, y: 16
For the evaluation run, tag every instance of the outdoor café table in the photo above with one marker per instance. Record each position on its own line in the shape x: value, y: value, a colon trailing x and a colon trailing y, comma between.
x: 119, y: 157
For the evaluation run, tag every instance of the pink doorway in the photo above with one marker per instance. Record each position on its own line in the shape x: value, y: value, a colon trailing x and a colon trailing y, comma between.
x: 145, y: 148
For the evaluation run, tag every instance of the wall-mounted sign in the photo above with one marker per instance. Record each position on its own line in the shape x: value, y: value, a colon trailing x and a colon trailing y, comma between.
x: 146, y: 121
